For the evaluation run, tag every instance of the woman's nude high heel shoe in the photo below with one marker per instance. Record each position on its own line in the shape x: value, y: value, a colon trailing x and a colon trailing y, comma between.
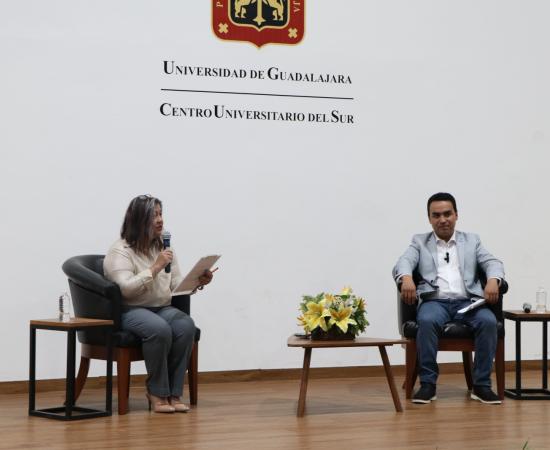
x: 159, y: 405
x: 178, y: 405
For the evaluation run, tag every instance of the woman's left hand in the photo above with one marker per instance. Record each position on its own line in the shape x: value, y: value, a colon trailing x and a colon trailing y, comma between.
x: 206, y: 277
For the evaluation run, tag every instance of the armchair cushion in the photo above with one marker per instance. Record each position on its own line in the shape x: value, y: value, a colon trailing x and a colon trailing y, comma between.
x: 452, y: 330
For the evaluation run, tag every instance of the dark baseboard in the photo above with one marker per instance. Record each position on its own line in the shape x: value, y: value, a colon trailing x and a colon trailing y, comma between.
x: 233, y: 376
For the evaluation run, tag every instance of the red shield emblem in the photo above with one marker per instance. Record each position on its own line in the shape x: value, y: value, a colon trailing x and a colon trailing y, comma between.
x: 259, y: 21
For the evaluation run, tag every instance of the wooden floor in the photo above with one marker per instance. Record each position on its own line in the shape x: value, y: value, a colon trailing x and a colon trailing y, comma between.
x: 347, y: 413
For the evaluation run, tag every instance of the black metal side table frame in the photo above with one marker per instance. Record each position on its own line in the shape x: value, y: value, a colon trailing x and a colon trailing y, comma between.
x: 520, y: 393
x: 69, y: 411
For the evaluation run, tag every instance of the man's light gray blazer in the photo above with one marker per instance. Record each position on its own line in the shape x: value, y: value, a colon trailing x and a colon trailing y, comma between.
x: 422, y: 257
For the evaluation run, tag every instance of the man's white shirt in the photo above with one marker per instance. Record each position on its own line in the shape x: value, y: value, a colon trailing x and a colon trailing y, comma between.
x: 449, y: 280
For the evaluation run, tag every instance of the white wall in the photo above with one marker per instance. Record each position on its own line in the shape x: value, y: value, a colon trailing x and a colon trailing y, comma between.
x: 448, y: 95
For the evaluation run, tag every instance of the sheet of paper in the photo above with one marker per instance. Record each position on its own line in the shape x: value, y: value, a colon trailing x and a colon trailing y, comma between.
x: 191, y: 280
x: 478, y: 302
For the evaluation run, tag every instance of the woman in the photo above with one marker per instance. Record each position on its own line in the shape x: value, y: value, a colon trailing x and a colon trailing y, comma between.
x: 137, y: 262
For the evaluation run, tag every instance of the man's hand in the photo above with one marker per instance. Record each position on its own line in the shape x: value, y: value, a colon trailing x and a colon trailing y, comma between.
x: 408, y: 290
x: 491, y: 291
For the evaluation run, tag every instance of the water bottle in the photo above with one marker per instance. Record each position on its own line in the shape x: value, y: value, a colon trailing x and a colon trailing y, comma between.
x: 63, y: 308
x: 541, y: 300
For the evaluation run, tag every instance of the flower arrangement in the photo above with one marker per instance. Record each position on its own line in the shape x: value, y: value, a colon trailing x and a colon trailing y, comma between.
x: 344, y: 313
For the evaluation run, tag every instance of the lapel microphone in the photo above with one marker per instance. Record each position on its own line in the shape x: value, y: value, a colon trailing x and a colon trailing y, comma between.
x: 446, y: 257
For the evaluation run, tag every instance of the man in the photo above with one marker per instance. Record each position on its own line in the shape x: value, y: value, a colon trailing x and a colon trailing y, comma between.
x: 446, y: 262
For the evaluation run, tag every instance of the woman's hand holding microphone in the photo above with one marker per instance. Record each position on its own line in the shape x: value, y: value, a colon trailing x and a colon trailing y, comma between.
x: 164, y: 258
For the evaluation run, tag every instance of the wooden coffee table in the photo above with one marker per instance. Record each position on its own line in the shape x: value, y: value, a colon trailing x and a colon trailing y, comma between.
x: 308, y: 345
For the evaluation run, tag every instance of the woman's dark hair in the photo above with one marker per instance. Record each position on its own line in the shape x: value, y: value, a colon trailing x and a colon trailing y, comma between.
x: 137, y: 228
x: 441, y: 197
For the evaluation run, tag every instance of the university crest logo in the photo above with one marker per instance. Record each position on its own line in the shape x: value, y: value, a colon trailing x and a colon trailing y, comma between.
x: 259, y: 21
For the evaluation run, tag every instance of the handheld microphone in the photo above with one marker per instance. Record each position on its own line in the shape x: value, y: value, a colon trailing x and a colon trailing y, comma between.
x: 446, y: 257
x: 166, y: 236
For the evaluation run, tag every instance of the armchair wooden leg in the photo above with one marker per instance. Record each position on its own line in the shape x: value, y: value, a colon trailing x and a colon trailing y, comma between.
x: 467, y: 362
x: 82, y: 376
x: 123, y: 380
x: 410, y: 368
x: 129, y: 381
x: 192, y: 373
x: 499, y: 368
x: 414, y: 376
x: 415, y: 372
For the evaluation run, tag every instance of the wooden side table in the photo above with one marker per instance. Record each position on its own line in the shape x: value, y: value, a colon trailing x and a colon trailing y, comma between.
x: 308, y: 345
x: 69, y: 411
x: 520, y: 393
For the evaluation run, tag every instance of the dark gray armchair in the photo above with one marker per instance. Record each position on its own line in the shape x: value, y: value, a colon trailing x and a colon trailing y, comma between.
x: 455, y: 336
x: 95, y: 297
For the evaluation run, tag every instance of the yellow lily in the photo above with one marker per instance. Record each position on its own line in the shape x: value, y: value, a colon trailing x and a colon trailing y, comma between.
x: 342, y: 319
x: 302, y: 322
x: 346, y: 291
x: 315, y: 315
x: 328, y: 299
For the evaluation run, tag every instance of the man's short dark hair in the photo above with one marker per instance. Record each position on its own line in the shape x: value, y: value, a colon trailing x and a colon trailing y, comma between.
x: 442, y: 197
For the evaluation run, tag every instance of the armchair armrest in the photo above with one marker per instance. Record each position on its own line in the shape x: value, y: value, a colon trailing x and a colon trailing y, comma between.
x: 183, y: 303
x: 503, y: 288
x: 88, y: 278
x: 92, y: 295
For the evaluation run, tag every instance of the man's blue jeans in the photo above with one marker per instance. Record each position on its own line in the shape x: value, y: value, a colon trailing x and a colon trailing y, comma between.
x: 432, y: 316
